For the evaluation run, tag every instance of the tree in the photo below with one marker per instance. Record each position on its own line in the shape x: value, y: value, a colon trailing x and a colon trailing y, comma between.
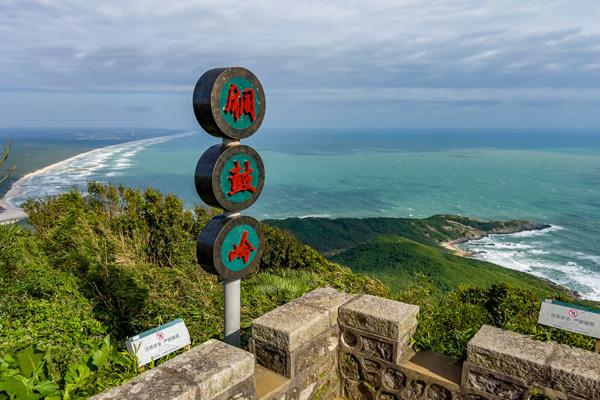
x: 4, y: 176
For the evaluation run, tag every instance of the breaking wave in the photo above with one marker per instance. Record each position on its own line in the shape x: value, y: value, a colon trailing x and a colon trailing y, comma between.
x: 542, y: 258
x: 99, y: 165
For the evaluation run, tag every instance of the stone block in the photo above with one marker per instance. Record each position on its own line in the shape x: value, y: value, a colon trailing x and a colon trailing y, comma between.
x: 383, y: 317
x: 213, y: 367
x: 291, y: 363
x: 245, y: 390
x: 487, y: 383
x: 372, y: 345
x: 150, y: 385
x: 510, y: 353
x: 290, y: 326
x: 310, y: 354
x: 576, y: 372
x: 327, y: 299
x: 211, y: 371
x: 273, y: 358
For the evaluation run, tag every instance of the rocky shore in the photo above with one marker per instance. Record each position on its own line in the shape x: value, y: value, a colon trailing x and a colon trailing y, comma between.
x: 515, y: 227
x: 472, y: 229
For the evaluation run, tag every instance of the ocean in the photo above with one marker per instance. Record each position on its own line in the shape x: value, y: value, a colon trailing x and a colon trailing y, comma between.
x: 543, y: 176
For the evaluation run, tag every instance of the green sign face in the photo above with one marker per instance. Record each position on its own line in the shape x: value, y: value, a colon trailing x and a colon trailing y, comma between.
x: 230, y: 177
x: 229, y: 102
x: 240, y: 246
x: 240, y: 178
x: 230, y: 247
x: 239, y: 102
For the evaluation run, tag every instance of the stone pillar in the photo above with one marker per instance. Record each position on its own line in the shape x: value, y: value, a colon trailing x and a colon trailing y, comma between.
x: 507, y: 365
x: 211, y: 371
x: 299, y: 340
x: 375, y: 339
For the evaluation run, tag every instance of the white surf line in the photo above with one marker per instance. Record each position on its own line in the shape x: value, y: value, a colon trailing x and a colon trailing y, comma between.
x: 502, y: 254
x: 17, y: 187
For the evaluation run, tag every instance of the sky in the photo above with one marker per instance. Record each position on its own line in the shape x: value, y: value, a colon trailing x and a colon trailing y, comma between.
x: 324, y: 64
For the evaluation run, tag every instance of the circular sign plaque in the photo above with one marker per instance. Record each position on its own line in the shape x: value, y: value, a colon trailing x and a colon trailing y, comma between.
x: 230, y: 177
x: 230, y: 247
x: 229, y: 102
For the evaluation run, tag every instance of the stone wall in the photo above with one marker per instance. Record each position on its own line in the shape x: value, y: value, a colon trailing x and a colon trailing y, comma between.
x: 300, y: 340
x: 212, y: 370
x: 507, y: 365
x: 328, y: 344
x: 375, y: 353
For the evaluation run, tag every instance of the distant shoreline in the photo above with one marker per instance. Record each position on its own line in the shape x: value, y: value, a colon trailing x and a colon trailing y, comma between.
x: 10, y: 214
x: 454, y: 247
x: 16, y: 188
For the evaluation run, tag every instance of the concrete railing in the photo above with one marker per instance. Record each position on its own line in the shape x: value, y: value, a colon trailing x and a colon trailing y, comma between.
x: 328, y: 344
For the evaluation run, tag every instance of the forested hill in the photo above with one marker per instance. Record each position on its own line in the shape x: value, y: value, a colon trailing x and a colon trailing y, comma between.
x: 395, y: 250
x: 332, y: 235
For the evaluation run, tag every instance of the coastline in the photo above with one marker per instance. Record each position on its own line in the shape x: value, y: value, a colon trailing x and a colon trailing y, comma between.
x: 452, y: 245
x: 10, y: 214
x: 16, y: 188
x: 454, y: 248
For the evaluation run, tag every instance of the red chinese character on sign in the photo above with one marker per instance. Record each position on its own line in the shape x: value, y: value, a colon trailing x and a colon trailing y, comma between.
x: 240, y: 180
x: 240, y: 104
x: 242, y: 250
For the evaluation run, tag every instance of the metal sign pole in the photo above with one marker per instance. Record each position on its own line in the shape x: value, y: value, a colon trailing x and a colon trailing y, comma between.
x: 230, y: 103
x: 231, y: 292
x: 232, y: 311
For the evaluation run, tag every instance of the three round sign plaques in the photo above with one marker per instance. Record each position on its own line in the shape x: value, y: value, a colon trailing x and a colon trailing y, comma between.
x: 230, y: 103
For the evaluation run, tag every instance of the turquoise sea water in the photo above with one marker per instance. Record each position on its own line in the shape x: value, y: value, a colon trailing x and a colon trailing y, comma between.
x: 544, y: 177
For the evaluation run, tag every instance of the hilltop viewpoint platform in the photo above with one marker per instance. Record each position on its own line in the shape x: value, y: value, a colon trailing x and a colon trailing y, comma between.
x: 331, y: 345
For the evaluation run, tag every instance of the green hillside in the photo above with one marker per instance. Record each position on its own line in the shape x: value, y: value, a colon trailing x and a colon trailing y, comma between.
x: 395, y: 249
x: 332, y: 235
x: 396, y: 259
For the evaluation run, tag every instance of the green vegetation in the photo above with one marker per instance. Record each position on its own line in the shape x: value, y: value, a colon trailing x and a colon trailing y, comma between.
x: 333, y: 235
x: 3, y: 157
x: 117, y: 262
x: 120, y: 262
x: 26, y: 375
x: 447, y: 323
x: 396, y: 259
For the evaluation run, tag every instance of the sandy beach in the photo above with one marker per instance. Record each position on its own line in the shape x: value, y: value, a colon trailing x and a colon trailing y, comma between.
x: 10, y: 214
x: 453, y: 247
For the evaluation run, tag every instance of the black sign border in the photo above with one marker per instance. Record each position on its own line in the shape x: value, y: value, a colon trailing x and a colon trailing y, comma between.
x: 210, y: 242
x: 206, y: 101
x: 208, y: 176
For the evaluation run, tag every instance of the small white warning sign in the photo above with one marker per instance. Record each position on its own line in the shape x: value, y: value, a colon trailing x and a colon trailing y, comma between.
x: 570, y: 317
x: 158, y: 342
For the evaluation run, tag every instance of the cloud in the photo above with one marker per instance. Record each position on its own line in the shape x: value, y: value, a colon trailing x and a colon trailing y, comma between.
x: 411, y: 50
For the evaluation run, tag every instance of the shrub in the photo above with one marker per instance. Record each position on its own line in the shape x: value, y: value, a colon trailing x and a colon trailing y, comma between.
x: 41, y: 305
x: 447, y: 323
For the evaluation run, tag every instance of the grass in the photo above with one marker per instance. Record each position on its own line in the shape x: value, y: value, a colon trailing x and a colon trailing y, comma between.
x: 396, y: 259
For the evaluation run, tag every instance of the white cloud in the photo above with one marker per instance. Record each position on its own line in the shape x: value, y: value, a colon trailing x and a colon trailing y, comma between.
x: 321, y: 46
